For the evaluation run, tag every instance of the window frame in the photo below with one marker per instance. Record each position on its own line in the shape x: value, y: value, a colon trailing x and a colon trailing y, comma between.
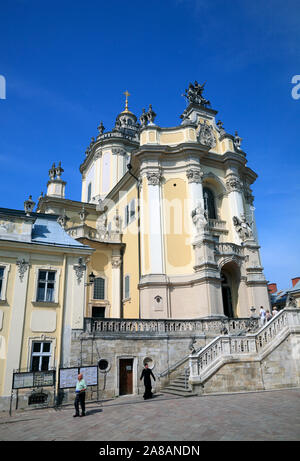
x: 57, y: 270
x: 89, y: 192
x: 127, y: 276
x: 3, y: 290
x: 210, y: 199
x: 104, y: 288
x: 40, y: 354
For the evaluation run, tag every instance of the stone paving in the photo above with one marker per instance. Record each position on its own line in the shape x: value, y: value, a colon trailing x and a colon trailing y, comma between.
x: 272, y: 415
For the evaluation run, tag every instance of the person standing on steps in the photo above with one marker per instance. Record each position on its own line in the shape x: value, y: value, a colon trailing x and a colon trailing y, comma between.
x: 80, y: 396
x: 146, y: 374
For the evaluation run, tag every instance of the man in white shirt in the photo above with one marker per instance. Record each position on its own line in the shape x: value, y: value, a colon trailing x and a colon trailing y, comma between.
x: 80, y: 396
x: 262, y: 314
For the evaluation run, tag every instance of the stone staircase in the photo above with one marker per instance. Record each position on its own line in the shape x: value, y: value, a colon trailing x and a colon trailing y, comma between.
x: 266, y: 359
x: 179, y: 386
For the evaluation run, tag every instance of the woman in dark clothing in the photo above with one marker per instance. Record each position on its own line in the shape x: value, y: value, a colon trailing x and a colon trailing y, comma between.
x: 146, y: 374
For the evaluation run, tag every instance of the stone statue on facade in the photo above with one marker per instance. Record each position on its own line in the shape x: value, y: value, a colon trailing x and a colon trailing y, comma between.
x: 101, y: 223
x: 194, y: 94
x: 199, y: 219
x: 242, y: 227
x: 237, y: 141
x: 151, y: 115
x: 143, y: 119
x: 191, y: 345
x: 101, y: 128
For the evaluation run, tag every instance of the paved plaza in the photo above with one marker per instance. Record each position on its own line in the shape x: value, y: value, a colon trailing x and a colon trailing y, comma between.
x: 273, y: 415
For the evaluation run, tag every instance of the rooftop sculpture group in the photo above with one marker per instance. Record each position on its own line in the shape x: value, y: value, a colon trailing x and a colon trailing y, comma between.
x: 194, y: 94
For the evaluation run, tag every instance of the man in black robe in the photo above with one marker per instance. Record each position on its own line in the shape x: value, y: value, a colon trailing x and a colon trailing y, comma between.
x: 146, y: 374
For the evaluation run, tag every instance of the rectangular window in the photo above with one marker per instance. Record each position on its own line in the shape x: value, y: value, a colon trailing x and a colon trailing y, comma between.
x: 46, y: 285
x: 127, y: 287
x: 99, y: 288
x: 1, y: 279
x: 40, y: 357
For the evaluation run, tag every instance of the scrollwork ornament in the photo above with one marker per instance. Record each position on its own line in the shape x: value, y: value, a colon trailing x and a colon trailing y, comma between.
x: 79, y: 270
x: 22, y: 268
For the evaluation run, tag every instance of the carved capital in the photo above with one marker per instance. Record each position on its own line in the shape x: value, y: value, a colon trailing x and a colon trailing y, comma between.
x: 118, y: 151
x: 116, y: 262
x: 154, y: 178
x: 233, y: 183
x: 194, y: 175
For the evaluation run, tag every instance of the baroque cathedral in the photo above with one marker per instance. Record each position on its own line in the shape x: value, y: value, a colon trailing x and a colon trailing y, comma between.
x: 169, y: 213
x: 158, y: 258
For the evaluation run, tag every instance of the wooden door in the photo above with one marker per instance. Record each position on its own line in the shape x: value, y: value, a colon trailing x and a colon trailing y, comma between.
x: 126, y: 371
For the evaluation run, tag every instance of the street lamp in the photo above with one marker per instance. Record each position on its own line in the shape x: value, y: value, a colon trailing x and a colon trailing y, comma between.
x: 91, y: 279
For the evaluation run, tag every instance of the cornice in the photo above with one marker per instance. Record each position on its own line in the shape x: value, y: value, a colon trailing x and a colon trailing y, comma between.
x: 103, y: 143
x: 34, y: 247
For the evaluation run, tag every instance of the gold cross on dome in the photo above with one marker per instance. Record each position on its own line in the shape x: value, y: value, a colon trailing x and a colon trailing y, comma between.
x: 126, y: 102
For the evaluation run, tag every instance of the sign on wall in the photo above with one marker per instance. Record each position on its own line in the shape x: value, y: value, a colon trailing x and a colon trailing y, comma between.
x: 23, y: 380
x: 68, y: 376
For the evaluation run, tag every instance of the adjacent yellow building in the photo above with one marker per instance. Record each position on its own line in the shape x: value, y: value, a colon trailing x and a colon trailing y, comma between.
x: 42, y: 292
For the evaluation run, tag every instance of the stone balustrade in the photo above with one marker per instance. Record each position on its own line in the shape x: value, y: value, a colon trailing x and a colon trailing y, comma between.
x: 228, y: 249
x: 169, y: 326
x: 205, y: 362
x: 217, y: 224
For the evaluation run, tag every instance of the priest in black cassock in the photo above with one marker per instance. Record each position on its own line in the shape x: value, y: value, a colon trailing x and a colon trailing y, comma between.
x: 146, y: 374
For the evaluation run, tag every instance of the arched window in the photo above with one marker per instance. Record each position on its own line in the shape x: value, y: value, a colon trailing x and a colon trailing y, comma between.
x: 209, y: 203
x: 99, y: 288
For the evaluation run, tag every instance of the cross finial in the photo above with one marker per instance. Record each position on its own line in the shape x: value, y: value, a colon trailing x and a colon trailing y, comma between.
x: 126, y: 102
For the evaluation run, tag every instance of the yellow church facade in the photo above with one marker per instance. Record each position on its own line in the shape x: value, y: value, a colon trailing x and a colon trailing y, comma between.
x: 169, y: 214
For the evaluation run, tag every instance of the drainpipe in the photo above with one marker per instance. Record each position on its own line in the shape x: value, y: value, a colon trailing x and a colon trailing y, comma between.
x: 129, y: 166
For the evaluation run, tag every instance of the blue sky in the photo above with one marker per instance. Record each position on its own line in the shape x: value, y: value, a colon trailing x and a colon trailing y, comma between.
x: 67, y: 64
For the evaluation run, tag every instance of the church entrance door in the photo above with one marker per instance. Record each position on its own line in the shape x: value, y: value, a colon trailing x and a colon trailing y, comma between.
x: 126, y: 371
x: 227, y: 297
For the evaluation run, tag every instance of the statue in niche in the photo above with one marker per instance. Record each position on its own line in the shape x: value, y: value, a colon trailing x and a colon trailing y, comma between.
x: 242, y: 227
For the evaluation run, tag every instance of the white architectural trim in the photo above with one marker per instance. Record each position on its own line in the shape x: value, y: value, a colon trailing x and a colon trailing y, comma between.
x: 4, y: 281
x: 57, y: 271
x: 41, y: 338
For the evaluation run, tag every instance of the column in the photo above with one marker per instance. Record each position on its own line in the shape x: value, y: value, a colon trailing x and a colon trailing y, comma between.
x: 236, y: 206
x: 194, y: 176
x: 116, y: 284
x: 155, y: 223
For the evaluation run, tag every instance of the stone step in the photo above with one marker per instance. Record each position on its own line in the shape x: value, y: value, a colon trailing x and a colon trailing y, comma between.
x: 177, y: 385
x: 177, y: 392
